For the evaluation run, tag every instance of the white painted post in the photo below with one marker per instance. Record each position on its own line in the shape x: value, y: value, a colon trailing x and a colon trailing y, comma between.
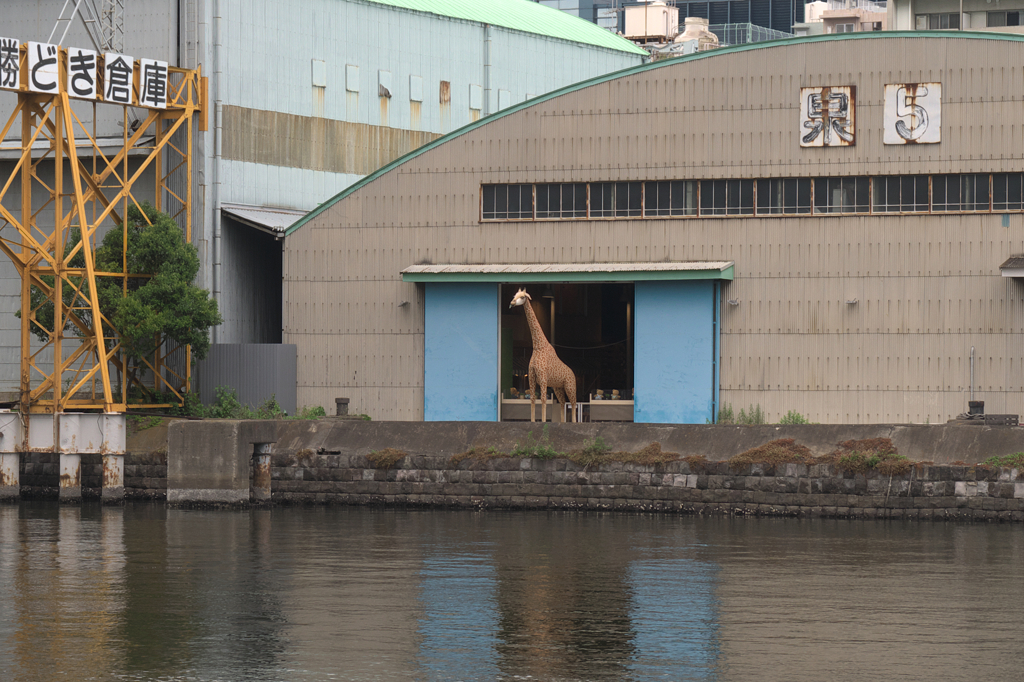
x: 11, y: 441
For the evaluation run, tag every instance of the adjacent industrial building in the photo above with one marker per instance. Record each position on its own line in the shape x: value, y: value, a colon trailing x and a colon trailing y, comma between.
x: 304, y: 99
x: 814, y: 224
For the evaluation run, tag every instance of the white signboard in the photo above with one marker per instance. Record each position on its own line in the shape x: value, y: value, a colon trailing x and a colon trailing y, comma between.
x: 913, y: 113
x: 827, y: 116
x: 10, y: 74
x: 42, y: 67
x: 153, y: 83
x: 117, y: 78
x: 83, y: 69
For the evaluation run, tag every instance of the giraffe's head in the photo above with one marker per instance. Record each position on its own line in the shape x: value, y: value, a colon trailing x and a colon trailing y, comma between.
x: 521, y: 297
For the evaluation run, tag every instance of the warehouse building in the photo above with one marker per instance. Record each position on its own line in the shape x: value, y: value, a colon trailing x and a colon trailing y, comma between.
x: 813, y: 224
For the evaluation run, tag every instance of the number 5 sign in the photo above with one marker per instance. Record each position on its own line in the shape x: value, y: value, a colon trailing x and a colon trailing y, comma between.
x: 913, y: 113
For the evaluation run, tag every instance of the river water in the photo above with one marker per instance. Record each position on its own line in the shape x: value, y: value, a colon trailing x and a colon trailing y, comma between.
x: 143, y: 592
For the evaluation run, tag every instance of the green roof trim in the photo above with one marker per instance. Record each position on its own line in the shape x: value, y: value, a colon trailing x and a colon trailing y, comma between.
x: 662, y: 63
x: 522, y: 15
x: 561, y: 277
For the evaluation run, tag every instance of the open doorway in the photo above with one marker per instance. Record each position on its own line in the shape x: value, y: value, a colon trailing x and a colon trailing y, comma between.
x: 591, y: 328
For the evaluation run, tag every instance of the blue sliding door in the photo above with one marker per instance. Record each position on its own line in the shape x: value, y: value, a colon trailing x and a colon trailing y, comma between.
x: 674, y: 353
x: 460, y: 369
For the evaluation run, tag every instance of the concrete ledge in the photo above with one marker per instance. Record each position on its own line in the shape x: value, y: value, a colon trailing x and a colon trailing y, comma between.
x: 941, y: 444
x: 207, y: 496
x: 210, y: 461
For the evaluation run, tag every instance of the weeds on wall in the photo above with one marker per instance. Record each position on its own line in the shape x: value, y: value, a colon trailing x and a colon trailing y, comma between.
x: 755, y: 415
x: 1014, y: 460
x: 751, y: 417
x: 386, y: 458
x: 227, y: 406
x: 594, y: 453
x: 860, y: 456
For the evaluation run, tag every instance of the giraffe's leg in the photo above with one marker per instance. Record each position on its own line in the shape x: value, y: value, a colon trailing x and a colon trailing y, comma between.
x: 533, y: 395
x: 560, y: 394
x: 570, y: 391
x: 543, y: 401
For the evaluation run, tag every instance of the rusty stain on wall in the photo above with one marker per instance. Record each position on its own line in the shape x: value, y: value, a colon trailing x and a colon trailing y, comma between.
x: 351, y: 104
x: 280, y: 139
x: 446, y: 106
x: 318, y: 101
x: 415, y: 112
x: 113, y: 472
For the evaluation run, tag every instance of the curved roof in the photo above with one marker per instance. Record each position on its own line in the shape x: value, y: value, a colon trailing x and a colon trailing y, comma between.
x: 522, y: 15
x: 866, y: 35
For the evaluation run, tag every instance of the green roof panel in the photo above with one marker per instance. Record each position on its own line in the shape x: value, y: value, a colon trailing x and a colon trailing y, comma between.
x: 522, y: 15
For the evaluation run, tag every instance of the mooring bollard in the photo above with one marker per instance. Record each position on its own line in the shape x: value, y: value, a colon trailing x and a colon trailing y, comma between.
x: 261, y: 472
x: 341, y: 407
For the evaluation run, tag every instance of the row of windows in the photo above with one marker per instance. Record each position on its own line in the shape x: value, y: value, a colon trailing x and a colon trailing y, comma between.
x: 952, y: 20
x: 958, y: 193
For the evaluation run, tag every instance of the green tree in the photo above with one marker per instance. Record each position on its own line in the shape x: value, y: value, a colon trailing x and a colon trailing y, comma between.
x: 162, y: 304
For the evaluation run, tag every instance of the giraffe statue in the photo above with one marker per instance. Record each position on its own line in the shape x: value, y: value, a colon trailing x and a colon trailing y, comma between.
x: 545, y: 367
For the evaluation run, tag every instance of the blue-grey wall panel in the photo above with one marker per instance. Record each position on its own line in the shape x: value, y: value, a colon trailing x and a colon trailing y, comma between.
x: 460, y: 371
x: 674, y: 370
x: 256, y: 371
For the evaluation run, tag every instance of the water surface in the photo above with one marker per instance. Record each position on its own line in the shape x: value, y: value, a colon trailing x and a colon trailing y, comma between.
x: 143, y: 592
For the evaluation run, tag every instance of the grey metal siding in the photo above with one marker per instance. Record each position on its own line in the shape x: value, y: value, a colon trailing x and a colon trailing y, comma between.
x: 257, y: 371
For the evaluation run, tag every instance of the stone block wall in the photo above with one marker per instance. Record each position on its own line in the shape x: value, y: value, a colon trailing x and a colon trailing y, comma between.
x: 926, y: 492
x: 145, y: 475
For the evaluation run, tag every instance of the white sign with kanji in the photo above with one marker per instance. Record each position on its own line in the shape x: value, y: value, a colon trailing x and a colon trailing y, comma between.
x: 10, y: 73
x: 117, y: 78
x: 42, y: 67
x: 153, y: 83
x: 82, y: 72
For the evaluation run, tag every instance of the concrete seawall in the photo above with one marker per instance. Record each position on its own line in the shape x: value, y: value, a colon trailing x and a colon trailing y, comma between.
x: 325, y: 462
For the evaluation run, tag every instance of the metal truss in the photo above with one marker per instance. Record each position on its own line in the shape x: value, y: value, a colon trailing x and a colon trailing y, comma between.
x: 75, y: 367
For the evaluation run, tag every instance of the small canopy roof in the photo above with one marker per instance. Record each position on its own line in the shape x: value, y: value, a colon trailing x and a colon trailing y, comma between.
x: 265, y: 218
x: 569, y: 272
x: 1013, y: 267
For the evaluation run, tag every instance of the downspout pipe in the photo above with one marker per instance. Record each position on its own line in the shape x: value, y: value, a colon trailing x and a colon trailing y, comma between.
x: 218, y: 137
x: 487, y: 70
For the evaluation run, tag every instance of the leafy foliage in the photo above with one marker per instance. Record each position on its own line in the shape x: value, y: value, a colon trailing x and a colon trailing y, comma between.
x: 162, y: 304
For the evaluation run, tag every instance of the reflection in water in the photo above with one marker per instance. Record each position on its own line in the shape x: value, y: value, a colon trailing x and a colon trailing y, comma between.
x: 61, y: 572
x: 142, y: 592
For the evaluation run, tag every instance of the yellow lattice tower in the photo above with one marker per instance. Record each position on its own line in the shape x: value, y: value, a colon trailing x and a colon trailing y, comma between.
x: 102, y: 187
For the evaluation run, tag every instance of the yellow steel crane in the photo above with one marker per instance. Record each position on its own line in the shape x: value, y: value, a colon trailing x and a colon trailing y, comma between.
x: 89, y: 188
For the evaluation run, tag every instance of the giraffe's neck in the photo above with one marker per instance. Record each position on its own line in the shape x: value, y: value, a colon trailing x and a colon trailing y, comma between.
x: 539, y: 340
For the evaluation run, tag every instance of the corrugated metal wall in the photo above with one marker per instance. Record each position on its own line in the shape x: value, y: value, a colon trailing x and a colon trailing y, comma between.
x: 928, y: 287
x: 257, y: 372
x: 292, y: 143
